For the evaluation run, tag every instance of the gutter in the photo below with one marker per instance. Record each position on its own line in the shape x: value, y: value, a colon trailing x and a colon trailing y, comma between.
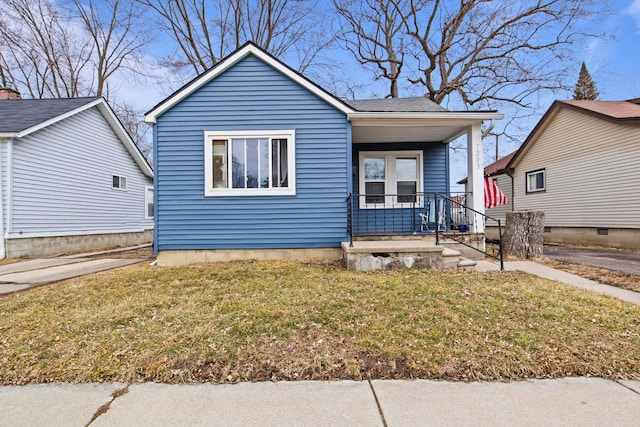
x: 431, y: 115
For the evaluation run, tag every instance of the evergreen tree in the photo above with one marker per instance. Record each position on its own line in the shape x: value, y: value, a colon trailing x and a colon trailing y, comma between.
x: 585, y: 87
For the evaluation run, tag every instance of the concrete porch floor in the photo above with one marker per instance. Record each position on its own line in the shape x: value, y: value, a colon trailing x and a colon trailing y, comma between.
x: 368, y: 255
x: 360, y: 246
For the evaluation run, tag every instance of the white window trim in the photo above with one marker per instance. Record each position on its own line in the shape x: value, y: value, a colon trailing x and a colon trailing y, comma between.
x: 120, y: 177
x: 544, y: 180
x: 272, y: 134
x: 146, y: 200
x: 390, y: 178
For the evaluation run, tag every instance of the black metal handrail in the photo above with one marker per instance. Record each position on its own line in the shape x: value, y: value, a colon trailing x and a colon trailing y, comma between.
x: 485, y: 218
x: 397, y: 214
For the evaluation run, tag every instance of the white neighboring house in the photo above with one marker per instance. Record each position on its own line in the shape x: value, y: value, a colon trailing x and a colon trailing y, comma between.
x: 581, y: 166
x: 71, y: 178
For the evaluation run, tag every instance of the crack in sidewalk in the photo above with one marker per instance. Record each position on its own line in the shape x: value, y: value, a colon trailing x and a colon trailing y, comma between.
x: 375, y: 396
x: 104, y: 408
x: 627, y: 387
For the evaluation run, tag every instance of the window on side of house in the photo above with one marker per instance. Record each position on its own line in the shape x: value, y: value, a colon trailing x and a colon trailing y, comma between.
x: 148, y: 202
x: 536, y: 181
x: 390, y: 179
x: 119, y: 182
x: 249, y: 163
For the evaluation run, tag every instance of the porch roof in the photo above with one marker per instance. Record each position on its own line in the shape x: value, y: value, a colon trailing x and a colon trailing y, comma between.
x: 415, y: 126
x: 416, y: 119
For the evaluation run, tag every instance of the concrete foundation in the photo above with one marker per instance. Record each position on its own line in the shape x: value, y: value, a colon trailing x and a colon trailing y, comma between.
x: 57, y: 245
x: 622, y: 238
x: 169, y: 258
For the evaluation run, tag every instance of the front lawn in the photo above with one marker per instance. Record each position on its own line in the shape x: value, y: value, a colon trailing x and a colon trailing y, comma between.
x: 246, y: 321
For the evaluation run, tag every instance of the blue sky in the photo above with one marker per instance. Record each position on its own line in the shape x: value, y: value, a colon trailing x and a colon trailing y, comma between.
x: 613, y: 61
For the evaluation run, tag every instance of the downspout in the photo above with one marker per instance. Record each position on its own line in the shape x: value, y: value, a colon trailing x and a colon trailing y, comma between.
x: 9, y: 228
x: 154, y: 130
x: 3, y: 252
x: 509, y: 173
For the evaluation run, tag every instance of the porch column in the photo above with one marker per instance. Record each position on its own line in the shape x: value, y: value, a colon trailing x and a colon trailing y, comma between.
x: 476, y: 176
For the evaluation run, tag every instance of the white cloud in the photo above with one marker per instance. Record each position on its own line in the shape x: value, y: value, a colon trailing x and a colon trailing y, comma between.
x: 634, y: 10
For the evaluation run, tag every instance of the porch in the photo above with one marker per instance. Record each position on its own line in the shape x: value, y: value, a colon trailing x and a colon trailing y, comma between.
x: 417, y: 230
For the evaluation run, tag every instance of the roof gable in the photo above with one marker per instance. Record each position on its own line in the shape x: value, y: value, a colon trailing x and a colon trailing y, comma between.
x: 22, y: 117
x: 619, y: 112
x: 248, y: 49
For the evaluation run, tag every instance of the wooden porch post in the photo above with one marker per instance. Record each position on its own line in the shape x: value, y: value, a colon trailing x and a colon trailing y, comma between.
x: 476, y: 176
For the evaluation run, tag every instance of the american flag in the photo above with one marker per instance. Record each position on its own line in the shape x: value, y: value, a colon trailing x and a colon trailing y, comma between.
x: 493, y: 197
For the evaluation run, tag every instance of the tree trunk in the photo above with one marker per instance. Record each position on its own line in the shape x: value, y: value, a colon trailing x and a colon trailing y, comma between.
x: 523, y: 237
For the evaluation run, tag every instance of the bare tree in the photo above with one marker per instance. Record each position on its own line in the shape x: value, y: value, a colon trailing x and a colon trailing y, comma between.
x: 51, y: 51
x: 494, y: 51
x: 478, y: 51
x: 118, y: 32
x: 132, y: 121
x: 41, y: 51
x: 373, y: 31
x: 205, y: 31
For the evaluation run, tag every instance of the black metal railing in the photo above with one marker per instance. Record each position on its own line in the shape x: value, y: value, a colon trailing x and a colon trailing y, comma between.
x: 445, y: 216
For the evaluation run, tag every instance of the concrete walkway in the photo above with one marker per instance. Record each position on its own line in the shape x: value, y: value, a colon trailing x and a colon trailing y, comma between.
x: 564, y: 402
x: 37, y: 272
x: 561, y: 276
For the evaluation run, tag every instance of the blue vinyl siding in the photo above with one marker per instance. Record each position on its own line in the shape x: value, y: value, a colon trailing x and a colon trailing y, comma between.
x: 251, y: 96
x: 435, y: 164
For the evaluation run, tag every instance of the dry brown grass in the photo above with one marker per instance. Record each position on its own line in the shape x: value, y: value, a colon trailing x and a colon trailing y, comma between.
x: 248, y: 321
x: 601, y: 275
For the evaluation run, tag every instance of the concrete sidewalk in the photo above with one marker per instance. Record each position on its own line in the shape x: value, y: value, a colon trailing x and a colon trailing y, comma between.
x: 561, y: 276
x: 563, y: 402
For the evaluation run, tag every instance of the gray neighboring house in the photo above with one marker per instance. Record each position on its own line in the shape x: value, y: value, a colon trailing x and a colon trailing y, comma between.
x: 71, y: 178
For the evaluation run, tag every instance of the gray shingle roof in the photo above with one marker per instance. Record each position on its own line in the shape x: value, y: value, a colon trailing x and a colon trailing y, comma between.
x: 418, y: 104
x: 17, y: 115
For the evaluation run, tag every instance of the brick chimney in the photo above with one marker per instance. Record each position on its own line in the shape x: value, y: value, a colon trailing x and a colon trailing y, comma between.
x: 8, y: 93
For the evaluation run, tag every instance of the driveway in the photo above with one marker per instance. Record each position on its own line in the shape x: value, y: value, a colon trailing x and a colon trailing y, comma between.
x: 612, y: 259
x: 37, y: 272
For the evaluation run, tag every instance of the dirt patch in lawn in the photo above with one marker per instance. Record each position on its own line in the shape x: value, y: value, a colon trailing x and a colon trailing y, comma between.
x: 601, y: 275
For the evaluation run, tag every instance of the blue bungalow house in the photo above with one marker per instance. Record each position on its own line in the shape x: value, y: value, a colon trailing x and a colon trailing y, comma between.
x: 253, y: 160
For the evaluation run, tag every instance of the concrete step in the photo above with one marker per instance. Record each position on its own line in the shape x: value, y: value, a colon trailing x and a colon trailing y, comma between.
x: 450, y: 258
x: 466, y: 263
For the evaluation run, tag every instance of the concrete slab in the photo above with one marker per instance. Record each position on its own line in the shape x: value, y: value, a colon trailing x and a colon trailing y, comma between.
x: 53, y: 404
x: 36, y: 264
x: 282, y: 403
x: 633, y: 385
x: 61, y: 272
x: 9, y: 288
x: 564, y: 402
